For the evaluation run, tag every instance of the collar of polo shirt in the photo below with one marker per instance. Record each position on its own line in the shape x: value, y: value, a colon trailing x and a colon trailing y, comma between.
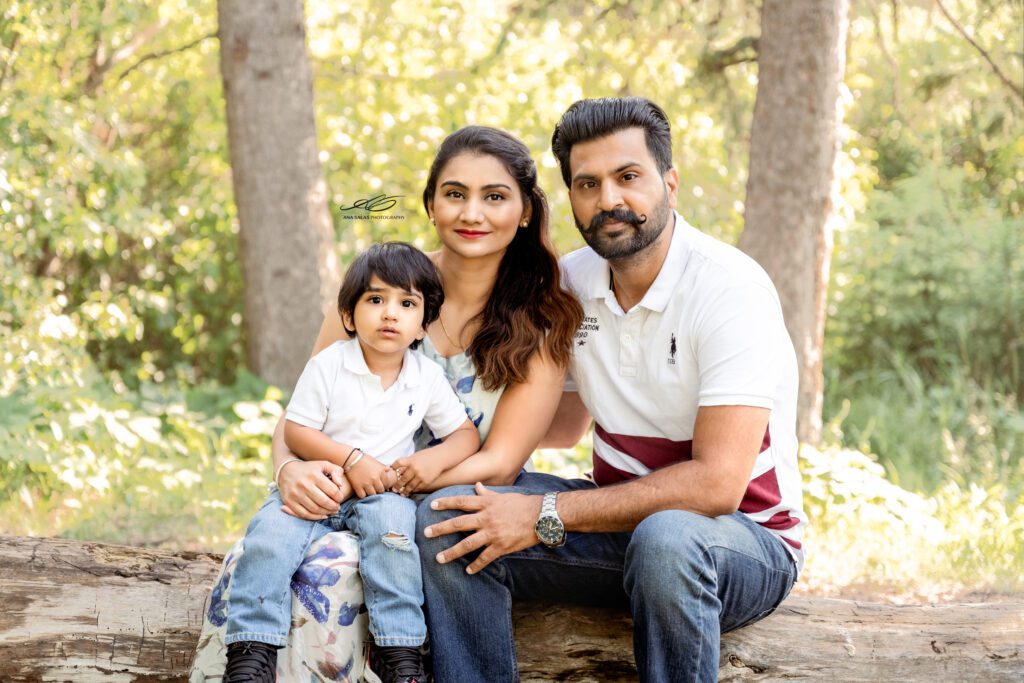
x: 355, y: 363
x: 660, y: 292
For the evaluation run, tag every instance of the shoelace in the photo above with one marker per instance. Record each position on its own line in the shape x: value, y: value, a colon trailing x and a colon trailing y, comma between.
x: 252, y: 664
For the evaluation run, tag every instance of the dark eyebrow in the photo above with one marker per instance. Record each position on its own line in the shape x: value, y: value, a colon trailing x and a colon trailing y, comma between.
x: 492, y: 186
x: 620, y: 169
x: 405, y: 291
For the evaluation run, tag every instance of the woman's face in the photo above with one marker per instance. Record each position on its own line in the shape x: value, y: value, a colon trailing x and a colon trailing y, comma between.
x: 477, y: 206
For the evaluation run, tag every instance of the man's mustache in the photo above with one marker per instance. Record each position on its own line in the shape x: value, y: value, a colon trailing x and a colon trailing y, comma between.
x: 620, y: 215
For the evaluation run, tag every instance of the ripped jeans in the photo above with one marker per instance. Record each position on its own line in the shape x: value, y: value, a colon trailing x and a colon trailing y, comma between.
x: 259, y: 606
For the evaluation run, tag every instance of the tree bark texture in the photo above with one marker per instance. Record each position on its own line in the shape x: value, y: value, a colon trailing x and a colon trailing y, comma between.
x: 792, y: 154
x: 74, y: 611
x: 288, y: 262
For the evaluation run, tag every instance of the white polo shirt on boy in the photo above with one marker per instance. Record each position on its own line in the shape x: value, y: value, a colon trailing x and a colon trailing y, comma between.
x: 339, y: 396
x: 708, y: 332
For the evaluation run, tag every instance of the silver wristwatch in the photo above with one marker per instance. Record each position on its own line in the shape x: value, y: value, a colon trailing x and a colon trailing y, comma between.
x: 549, y: 527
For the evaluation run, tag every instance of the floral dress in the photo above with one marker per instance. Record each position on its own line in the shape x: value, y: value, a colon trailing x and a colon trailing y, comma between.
x: 329, y: 628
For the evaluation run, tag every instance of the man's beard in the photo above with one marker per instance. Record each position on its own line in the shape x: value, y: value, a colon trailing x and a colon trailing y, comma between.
x: 642, y: 231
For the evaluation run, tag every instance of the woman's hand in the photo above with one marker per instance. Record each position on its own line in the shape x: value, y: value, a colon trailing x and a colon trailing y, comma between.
x: 369, y: 476
x: 415, y: 472
x: 312, y: 490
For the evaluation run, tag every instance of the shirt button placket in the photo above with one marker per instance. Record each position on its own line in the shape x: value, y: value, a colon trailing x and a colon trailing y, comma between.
x: 373, y: 396
x: 629, y: 345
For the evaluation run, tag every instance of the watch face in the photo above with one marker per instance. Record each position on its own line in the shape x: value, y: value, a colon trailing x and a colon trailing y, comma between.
x: 550, y: 530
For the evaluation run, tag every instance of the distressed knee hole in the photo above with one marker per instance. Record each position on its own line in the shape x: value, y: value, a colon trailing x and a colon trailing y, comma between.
x: 396, y: 541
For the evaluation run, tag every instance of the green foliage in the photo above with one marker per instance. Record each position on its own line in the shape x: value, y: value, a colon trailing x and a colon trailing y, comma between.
x: 88, y: 457
x: 932, y: 432
x: 924, y: 345
x: 114, y: 184
x: 935, y: 277
x: 866, y: 530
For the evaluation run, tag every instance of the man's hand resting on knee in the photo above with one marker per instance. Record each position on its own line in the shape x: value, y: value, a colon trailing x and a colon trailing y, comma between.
x: 499, y: 523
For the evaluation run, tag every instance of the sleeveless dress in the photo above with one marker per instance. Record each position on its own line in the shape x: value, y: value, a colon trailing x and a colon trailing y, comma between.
x: 329, y: 628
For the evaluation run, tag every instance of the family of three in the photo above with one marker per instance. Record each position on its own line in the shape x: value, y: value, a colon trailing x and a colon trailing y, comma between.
x: 670, y: 342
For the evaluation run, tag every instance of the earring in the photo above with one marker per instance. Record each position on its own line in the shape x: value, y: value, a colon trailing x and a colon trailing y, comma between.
x: 432, y: 221
x: 524, y: 224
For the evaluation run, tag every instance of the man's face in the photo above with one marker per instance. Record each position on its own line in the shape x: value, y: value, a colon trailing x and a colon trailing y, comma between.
x: 614, y: 185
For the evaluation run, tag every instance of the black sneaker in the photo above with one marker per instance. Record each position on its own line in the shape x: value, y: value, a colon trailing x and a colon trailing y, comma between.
x: 251, y: 662
x: 397, y: 664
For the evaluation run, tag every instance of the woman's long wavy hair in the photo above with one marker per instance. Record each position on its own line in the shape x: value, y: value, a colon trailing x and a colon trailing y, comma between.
x: 527, y: 308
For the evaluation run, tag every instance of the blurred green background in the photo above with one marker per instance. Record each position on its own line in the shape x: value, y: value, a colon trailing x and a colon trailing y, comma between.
x: 126, y: 411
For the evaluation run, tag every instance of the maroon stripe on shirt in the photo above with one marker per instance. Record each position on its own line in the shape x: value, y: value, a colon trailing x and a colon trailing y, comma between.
x: 656, y: 451
x: 652, y: 451
x: 790, y: 541
x: 780, y: 521
x: 762, y: 493
x: 605, y: 474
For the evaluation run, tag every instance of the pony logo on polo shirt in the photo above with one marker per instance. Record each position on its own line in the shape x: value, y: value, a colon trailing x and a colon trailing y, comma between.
x: 672, y: 350
x: 588, y: 325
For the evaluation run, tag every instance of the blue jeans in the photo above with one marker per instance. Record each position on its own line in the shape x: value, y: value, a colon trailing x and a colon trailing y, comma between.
x: 685, y: 577
x: 259, y: 607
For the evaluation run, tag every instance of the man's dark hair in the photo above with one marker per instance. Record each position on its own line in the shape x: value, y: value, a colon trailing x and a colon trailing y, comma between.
x: 588, y: 120
x: 400, y: 265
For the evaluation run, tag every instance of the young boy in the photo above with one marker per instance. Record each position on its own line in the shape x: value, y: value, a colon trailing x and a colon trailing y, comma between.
x: 358, y: 404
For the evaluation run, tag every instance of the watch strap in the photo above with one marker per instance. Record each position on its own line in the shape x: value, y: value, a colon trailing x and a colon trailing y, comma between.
x: 548, y: 506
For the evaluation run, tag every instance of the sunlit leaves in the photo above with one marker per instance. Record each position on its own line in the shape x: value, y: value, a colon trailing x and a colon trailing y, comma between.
x: 99, y: 170
x: 392, y: 81
x: 866, y: 530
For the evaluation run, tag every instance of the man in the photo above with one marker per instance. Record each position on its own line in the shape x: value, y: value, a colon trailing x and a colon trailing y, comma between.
x: 684, y: 363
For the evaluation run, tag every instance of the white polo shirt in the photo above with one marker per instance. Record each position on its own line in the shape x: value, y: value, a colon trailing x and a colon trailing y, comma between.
x: 338, y: 395
x: 708, y: 332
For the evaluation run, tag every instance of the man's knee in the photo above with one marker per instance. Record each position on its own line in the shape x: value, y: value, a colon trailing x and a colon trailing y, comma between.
x: 445, y: 579
x: 426, y: 515
x: 670, y: 544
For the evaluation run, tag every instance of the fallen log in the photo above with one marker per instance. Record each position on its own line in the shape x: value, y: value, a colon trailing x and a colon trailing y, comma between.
x: 73, y: 611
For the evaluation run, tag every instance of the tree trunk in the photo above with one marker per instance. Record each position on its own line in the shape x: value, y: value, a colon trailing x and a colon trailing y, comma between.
x: 288, y: 261
x: 792, y: 153
x: 83, y: 612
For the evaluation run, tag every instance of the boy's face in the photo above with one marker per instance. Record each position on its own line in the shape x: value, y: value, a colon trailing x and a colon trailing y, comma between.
x: 386, y: 319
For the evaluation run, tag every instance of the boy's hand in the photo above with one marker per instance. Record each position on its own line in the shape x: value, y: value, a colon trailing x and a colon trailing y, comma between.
x: 415, y: 472
x: 369, y: 476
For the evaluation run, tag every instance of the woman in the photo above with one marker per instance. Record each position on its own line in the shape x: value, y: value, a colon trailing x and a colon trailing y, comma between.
x: 504, y: 339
